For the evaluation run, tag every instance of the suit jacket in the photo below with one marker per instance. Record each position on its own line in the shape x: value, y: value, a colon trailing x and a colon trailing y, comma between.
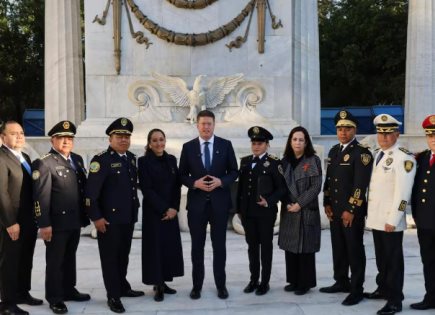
x: 347, y: 179
x: 58, y: 192
x: 390, y: 189
x: 111, y: 189
x: 16, y: 191
x: 224, y: 166
x: 423, y: 192
x: 266, y: 172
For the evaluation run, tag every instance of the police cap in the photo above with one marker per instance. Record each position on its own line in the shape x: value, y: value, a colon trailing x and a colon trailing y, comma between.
x: 345, y: 119
x: 258, y: 133
x: 428, y: 125
x: 64, y: 128
x: 120, y: 126
x: 386, y: 123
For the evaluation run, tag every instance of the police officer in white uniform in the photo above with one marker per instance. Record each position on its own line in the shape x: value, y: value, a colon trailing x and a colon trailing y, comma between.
x: 389, y: 192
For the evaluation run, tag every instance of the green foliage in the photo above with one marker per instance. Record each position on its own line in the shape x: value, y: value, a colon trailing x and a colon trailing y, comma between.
x: 21, y: 57
x: 362, y: 51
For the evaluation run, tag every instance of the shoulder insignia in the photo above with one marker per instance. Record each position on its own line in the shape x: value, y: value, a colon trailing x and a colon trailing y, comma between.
x: 377, y: 149
x: 45, y: 156
x: 266, y: 164
x: 366, y: 158
x: 402, y: 206
x: 101, y: 153
x: 94, y: 167
x: 273, y: 157
x: 280, y: 170
x: 35, y: 174
x: 405, y: 151
x: 409, y: 165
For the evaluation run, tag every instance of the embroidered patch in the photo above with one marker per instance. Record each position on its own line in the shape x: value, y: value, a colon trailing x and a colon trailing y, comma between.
x: 389, y: 161
x: 346, y: 157
x: 37, y: 209
x: 65, y: 125
x: 35, y: 175
x: 124, y: 122
x: 116, y: 165
x: 343, y: 114
x: 94, y: 167
x: 409, y: 166
x: 402, y: 205
x: 365, y: 159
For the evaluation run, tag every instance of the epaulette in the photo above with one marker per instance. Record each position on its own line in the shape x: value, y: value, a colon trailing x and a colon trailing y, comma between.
x: 101, y: 153
x: 363, y: 145
x: 45, y: 156
x: 377, y: 149
x: 406, y: 151
x: 273, y: 157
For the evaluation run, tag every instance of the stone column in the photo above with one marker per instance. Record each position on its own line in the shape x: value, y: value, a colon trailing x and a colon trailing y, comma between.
x: 64, y: 96
x: 420, y: 65
x: 306, y: 69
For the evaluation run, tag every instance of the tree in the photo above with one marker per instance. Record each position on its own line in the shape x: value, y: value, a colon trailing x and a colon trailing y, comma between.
x: 21, y: 57
x: 362, y: 51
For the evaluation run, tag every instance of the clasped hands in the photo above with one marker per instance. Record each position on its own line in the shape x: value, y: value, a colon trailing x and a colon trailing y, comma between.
x: 207, y: 183
x: 346, y: 216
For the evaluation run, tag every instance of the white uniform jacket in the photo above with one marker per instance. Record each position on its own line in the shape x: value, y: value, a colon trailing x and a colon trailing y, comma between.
x: 390, y: 188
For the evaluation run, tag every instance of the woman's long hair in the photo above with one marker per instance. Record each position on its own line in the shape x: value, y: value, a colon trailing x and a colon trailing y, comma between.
x: 309, y: 151
x: 147, y: 147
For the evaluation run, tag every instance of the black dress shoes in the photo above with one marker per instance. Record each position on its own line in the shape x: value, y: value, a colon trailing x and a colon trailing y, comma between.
x: 352, y: 299
x: 262, y: 289
x: 301, y: 291
x: 115, y: 305
x: 159, y: 293
x: 29, y: 300
x: 13, y: 310
x: 375, y: 295
x: 195, y: 294
x: 251, y: 287
x: 58, y: 308
x: 290, y: 287
x: 133, y: 293
x: 423, y: 305
x: 336, y: 287
x: 222, y: 293
x: 390, y: 309
x: 168, y: 290
x: 77, y: 296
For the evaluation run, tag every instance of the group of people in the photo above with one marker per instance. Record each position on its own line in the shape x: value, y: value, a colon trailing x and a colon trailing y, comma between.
x: 57, y: 195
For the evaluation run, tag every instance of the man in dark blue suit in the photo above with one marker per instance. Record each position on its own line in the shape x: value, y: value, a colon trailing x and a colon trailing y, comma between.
x: 208, y: 167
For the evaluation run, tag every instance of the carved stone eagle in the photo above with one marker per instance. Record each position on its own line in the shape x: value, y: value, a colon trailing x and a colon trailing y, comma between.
x: 197, y: 98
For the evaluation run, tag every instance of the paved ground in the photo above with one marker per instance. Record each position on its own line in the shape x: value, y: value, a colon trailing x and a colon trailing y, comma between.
x: 276, y: 301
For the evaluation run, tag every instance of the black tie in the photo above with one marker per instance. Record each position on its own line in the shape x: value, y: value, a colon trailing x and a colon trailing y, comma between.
x: 207, y: 163
x: 256, y: 159
x: 381, y: 154
x: 72, y: 164
x: 341, y: 147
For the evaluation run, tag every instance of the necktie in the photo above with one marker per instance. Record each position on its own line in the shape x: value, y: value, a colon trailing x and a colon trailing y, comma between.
x: 256, y: 159
x: 24, y: 164
x: 432, y: 160
x: 72, y: 164
x: 341, y: 147
x: 380, y: 155
x: 207, y: 164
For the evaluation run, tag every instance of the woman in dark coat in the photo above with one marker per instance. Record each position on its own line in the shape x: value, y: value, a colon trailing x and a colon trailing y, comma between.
x: 299, y: 232
x: 159, y: 180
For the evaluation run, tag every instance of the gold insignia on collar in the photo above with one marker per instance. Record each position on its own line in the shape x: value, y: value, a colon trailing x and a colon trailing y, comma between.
x: 65, y: 125
x: 256, y: 130
x: 124, y: 122
x: 408, y: 166
x: 35, y: 174
x: 384, y: 118
x: 346, y: 157
x: 389, y: 161
x: 365, y: 159
x: 94, y: 167
x: 343, y: 114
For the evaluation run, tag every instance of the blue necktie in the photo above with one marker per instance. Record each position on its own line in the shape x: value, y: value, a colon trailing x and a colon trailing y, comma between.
x: 72, y: 164
x: 25, y: 164
x: 207, y: 163
x: 379, y: 157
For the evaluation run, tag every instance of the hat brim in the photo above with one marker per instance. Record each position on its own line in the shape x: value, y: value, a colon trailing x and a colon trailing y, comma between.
x: 63, y: 134
x: 345, y: 123
x: 120, y: 132
x: 386, y: 129
x: 429, y: 131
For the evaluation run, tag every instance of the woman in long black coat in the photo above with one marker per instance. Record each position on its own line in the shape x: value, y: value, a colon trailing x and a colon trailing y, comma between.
x: 299, y: 232
x: 159, y: 180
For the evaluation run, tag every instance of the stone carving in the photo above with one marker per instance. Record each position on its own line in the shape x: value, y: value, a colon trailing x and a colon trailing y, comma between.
x: 197, y: 98
x: 185, y: 4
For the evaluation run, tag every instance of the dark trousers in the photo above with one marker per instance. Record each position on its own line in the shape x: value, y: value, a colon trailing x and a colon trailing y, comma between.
x: 197, y: 220
x: 301, y: 269
x: 389, y: 260
x: 16, y: 263
x: 426, y: 238
x: 259, y: 236
x: 348, y: 251
x: 60, y: 271
x: 114, y: 246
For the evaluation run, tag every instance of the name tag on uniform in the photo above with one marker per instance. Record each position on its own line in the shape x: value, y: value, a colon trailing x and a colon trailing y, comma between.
x: 344, y: 163
x: 113, y: 165
x: 59, y: 170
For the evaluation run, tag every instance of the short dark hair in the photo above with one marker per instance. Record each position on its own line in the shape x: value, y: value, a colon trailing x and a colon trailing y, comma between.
x: 309, y: 149
x: 205, y: 113
x: 147, y: 147
x: 5, y: 123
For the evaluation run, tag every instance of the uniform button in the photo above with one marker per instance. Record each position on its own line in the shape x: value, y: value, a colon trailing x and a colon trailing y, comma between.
x: 118, y: 172
x: 134, y: 198
x: 113, y: 210
x: 425, y: 181
x: 336, y: 190
x: 424, y: 190
x: 249, y: 193
x: 63, y: 212
x: 132, y: 179
x: 335, y: 180
x: 80, y: 181
x: 249, y: 186
x: 64, y: 175
x: 423, y: 200
x: 67, y: 171
x: 133, y: 188
x: 250, y: 180
x: 329, y: 178
x: 336, y: 201
x: 428, y: 172
x: 250, y: 173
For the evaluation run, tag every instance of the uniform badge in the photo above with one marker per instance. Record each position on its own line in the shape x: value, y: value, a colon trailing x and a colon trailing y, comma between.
x: 256, y: 130
x: 408, y: 166
x: 124, y: 122
x: 343, y: 114
x: 65, y: 125
x: 94, y: 167
x: 37, y: 209
x: 432, y: 119
x: 384, y: 118
x: 346, y: 157
x: 365, y: 159
x: 390, y: 153
x: 266, y: 164
x: 389, y: 161
x: 280, y: 170
x: 87, y: 202
x: 35, y: 174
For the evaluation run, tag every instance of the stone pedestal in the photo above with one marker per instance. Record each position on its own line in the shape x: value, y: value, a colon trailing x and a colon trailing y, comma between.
x: 63, y: 63
x: 420, y: 65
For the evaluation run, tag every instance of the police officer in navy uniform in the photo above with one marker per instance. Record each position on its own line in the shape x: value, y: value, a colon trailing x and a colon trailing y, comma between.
x: 423, y: 206
x: 347, y: 178
x: 112, y: 204
x: 58, y: 193
x: 261, y: 185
